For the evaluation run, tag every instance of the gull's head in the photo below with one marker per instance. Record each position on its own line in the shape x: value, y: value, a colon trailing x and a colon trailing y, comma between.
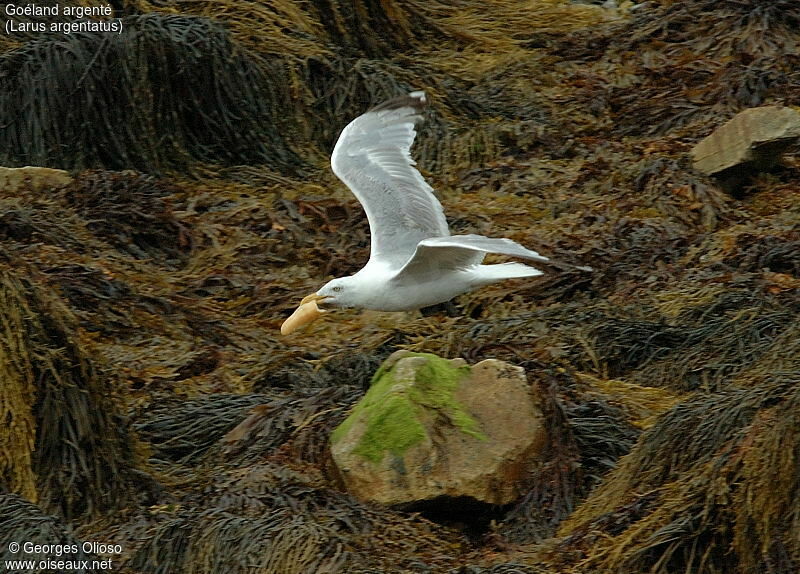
x: 339, y: 292
x: 336, y: 293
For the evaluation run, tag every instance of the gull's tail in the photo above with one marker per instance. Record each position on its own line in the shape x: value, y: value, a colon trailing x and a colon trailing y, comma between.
x: 485, y: 274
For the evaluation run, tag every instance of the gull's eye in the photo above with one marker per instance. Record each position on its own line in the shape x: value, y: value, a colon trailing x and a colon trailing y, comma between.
x: 337, y: 288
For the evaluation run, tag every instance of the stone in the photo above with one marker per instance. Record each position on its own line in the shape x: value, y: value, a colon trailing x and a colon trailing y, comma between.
x: 13, y: 179
x: 430, y: 428
x: 753, y: 139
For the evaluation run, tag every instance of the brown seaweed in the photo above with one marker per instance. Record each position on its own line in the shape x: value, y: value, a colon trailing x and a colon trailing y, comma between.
x: 72, y: 451
x: 696, y: 481
x: 701, y: 60
x: 181, y: 431
x: 25, y: 521
x: 284, y: 521
x: 130, y: 211
x: 169, y: 92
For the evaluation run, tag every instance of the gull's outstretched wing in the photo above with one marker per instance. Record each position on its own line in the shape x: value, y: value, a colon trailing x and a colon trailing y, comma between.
x: 437, y: 255
x: 372, y: 158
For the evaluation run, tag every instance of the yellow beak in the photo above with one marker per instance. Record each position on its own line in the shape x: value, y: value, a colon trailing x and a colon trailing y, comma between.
x: 307, y: 312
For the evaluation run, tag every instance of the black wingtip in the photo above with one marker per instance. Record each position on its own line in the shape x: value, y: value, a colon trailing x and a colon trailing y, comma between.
x: 416, y: 100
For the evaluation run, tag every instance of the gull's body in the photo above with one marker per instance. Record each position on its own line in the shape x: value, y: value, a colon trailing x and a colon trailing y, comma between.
x: 438, y: 270
x: 414, y: 261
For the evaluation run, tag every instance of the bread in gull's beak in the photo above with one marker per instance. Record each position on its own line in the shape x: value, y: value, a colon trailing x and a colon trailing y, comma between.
x: 307, y: 312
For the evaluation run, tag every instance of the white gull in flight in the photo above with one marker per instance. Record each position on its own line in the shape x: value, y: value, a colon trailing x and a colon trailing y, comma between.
x: 414, y: 261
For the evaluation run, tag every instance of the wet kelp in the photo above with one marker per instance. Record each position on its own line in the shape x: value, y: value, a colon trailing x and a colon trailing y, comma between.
x: 181, y: 431
x: 279, y: 520
x: 705, y: 497
x: 167, y: 93
x: 694, y: 63
x: 193, y: 94
x: 326, y: 56
x: 18, y: 396
x: 28, y: 219
x: 320, y: 26
x: 509, y: 568
x: 21, y: 520
x: 704, y: 347
x: 129, y: 211
x: 68, y: 447
x: 377, y: 28
x: 557, y: 485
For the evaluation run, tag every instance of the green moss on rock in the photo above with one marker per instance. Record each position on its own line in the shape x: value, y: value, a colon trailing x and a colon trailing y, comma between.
x: 393, y: 410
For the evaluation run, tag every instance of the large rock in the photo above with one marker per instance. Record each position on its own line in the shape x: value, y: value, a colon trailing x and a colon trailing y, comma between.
x: 752, y: 139
x: 430, y: 428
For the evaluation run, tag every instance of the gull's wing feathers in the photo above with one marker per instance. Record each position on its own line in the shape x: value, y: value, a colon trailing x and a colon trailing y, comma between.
x: 437, y: 254
x: 372, y: 158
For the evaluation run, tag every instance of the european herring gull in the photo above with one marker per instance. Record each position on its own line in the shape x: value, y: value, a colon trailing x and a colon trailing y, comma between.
x: 414, y: 261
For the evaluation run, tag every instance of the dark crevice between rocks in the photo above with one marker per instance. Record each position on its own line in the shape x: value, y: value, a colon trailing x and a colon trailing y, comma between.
x: 471, y: 517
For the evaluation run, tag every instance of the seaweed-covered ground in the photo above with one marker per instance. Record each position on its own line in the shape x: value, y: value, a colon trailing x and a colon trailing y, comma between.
x: 151, y: 402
